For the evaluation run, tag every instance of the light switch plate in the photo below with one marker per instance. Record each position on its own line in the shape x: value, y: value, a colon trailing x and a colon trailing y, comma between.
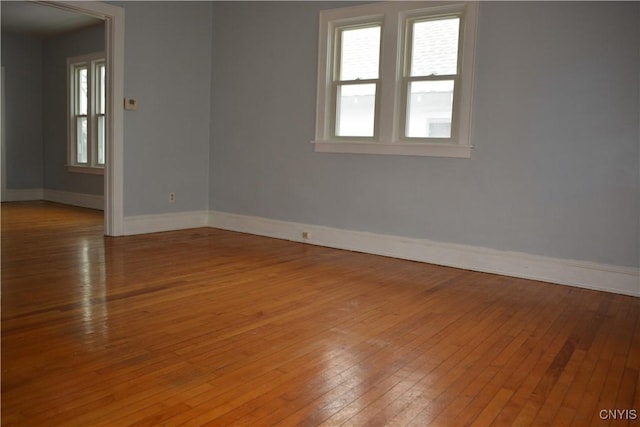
x: 130, y: 104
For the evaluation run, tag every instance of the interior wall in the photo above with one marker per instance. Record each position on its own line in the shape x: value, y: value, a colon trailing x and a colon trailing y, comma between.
x: 56, y: 50
x: 554, y: 171
x: 166, y: 141
x: 22, y: 59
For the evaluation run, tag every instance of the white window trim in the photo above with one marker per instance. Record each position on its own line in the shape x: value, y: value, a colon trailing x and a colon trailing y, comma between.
x: 388, y: 139
x: 91, y: 170
x: 92, y: 167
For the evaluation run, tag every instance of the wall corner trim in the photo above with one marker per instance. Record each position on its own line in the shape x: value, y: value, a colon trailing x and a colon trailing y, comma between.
x: 582, y: 274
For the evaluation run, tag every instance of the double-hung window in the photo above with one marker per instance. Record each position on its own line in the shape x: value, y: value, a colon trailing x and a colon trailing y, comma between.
x: 357, y: 80
x: 396, y: 78
x: 87, y: 109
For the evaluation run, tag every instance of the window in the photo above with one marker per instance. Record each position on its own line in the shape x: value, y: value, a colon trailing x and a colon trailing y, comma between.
x: 357, y: 80
x: 87, y: 108
x: 396, y: 78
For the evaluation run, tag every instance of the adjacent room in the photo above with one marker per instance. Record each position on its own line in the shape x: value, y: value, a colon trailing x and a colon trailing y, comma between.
x: 320, y: 213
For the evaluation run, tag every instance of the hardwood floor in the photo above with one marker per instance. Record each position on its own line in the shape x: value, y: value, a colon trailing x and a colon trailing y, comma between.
x: 209, y: 327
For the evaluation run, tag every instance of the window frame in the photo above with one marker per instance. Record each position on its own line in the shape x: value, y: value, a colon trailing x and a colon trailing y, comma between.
x: 391, y: 104
x: 91, y: 62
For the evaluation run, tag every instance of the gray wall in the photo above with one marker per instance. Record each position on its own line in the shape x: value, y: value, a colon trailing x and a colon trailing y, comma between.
x: 22, y: 59
x: 55, y: 53
x: 166, y: 141
x: 554, y: 171
x: 36, y: 105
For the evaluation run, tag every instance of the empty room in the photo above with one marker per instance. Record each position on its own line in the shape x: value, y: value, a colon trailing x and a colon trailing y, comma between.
x: 312, y: 213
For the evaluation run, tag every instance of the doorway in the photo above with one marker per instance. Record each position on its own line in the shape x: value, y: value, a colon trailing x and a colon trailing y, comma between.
x: 113, y: 18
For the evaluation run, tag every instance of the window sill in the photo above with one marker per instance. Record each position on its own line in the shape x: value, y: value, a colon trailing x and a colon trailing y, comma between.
x: 397, y: 148
x: 85, y: 169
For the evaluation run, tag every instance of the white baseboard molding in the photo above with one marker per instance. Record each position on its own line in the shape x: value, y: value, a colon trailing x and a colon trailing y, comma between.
x: 90, y: 201
x: 11, y: 195
x: 143, y: 224
x: 583, y: 274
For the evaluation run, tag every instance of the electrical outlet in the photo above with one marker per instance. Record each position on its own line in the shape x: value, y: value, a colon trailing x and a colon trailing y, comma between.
x: 305, y: 234
x: 172, y: 197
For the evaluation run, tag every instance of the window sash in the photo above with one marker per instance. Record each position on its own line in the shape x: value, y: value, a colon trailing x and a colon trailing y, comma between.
x: 338, y: 59
x: 336, y: 114
x: 81, y: 139
x: 101, y: 148
x: 431, y: 114
x: 418, y: 18
x: 81, y: 90
x: 100, y: 88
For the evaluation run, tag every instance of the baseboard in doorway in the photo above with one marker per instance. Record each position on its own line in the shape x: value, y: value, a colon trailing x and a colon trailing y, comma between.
x: 22, y: 195
x: 90, y: 201
x: 155, y: 223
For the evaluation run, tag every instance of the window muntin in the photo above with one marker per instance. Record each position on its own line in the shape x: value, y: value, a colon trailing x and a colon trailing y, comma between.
x: 412, y: 74
x: 87, y: 109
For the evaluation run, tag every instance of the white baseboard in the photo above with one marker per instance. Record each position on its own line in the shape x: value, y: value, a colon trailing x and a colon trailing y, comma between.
x: 142, y: 224
x: 583, y: 274
x: 90, y: 201
x: 589, y: 275
x: 22, y: 195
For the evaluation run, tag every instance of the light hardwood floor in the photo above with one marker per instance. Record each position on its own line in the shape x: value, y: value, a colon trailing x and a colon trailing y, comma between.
x: 209, y: 327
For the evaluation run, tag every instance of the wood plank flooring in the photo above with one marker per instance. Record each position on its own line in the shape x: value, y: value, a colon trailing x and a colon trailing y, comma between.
x: 210, y: 327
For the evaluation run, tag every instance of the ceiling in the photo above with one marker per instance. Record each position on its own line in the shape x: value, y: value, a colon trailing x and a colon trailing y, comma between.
x: 37, y: 20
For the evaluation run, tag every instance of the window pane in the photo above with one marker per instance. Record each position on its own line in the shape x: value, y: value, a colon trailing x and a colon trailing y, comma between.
x: 101, y: 87
x: 82, y: 90
x: 81, y: 139
x: 434, y: 47
x: 429, y: 109
x: 355, y: 110
x: 360, y: 53
x: 101, y: 137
